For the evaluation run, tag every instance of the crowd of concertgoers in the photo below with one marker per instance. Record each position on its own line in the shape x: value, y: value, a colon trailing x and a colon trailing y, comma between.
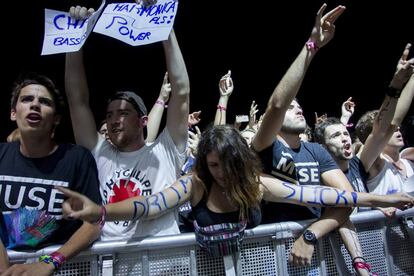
x: 125, y: 178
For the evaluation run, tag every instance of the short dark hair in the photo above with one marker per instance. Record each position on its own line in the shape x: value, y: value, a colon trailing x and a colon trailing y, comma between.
x: 319, y: 132
x: 364, y: 125
x: 34, y: 78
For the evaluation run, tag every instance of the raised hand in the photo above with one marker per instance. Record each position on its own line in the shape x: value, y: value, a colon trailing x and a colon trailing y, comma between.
x: 80, y: 13
x: 194, y: 118
x: 347, y: 109
x: 404, y: 69
x: 226, y: 84
x: 78, y: 206
x: 324, y: 29
x: 320, y: 119
x: 193, y: 140
x: 146, y: 3
x: 252, y: 114
x: 165, y: 89
x: 258, y: 123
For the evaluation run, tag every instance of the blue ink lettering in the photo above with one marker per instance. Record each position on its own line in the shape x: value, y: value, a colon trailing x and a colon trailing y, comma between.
x: 287, y: 185
x: 153, y: 201
x: 321, y: 197
x: 341, y: 195
x: 354, y: 197
x: 121, y: 21
x: 178, y: 196
x: 136, y: 204
x: 315, y: 196
x: 74, y: 23
x: 56, y: 19
x: 185, y: 183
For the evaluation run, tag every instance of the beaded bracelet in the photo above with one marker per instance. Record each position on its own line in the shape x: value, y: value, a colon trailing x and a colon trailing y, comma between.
x: 56, y: 259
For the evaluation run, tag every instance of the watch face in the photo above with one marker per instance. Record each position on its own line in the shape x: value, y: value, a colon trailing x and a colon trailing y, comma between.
x: 309, y: 236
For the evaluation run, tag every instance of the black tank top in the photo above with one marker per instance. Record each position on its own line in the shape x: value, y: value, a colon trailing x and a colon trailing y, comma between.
x: 206, y: 217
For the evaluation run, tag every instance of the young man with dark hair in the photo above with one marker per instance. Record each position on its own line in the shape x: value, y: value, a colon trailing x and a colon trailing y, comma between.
x: 31, y: 168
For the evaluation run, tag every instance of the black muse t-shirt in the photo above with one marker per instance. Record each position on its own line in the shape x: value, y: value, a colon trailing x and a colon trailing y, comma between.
x: 31, y: 207
x: 302, y: 166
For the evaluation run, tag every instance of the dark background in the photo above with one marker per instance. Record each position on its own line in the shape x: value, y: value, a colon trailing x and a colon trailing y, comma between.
x: 256, y: 40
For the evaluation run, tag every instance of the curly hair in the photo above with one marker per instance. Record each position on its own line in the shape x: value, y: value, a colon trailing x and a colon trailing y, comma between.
x: 241, y: 166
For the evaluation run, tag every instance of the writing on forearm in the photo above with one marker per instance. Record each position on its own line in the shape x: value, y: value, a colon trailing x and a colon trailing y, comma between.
x: 321, y: 196
x: 139, y: 209
x: 168, y: 199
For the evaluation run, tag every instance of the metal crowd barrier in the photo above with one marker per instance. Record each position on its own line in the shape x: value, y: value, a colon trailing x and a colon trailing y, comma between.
x: 388, y: 246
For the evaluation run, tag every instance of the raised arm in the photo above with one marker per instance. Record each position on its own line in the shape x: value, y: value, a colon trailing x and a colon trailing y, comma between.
x: 347, y: 109
x: 77, y: 92
x: 252, y: 115
x: 178, y: 106
x: 226, y: 88
x: 155, y: 115
x: 404, y: 102
x: 391, y: 113
x: 284, y: 93
x: 78, y: 206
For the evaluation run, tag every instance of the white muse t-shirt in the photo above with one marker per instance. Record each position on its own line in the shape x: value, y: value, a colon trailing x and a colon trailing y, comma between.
x: 146, y: 171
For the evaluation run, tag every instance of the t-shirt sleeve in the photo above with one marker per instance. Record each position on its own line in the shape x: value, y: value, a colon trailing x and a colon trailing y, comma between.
x: 326, y: 162
x: 166, y: 146
x: 355, y: 161
x: 266, y: 157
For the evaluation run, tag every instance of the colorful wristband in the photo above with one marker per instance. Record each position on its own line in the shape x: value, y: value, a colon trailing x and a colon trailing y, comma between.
x: 58, y: 258
x: 311, y: 45
x: 55, y: 260
x: 221, y: 108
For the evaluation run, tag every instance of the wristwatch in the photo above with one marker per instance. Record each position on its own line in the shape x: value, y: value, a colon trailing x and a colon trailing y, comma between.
x: 310, y: 237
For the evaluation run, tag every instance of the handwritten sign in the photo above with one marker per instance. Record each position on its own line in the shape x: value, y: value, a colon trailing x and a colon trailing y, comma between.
x: 65, y: 34
x: 136, y: 24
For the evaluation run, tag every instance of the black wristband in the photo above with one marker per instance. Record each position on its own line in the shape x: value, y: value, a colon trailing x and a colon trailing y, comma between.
x: 393, y: 92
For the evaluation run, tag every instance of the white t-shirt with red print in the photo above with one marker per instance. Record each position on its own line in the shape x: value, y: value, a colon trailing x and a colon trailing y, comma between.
x: 123, y: 175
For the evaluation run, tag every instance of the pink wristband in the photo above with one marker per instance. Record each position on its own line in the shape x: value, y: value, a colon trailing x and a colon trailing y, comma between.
x: 58, y: 259
x: 160, y: 102
x: 221, y: 108
x: 311, y: 45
